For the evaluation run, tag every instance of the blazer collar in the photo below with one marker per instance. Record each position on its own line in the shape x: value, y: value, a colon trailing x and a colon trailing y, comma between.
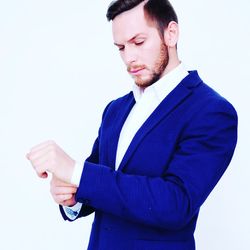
x: 163, y: 86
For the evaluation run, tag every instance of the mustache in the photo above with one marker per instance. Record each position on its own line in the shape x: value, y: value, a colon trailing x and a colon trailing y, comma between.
x: 135, y: 67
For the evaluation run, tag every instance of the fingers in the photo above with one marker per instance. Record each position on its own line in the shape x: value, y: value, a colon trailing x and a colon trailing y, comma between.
x: 63, y: 190
x: 36, y: 156
x: 39, y: 156
x: 59, y: 183
x: 70, y: 202
x: 40, y: 147
x: 65, y: 199
x: 62, y: 193
x: 59, y: 187
x: 40, y: 167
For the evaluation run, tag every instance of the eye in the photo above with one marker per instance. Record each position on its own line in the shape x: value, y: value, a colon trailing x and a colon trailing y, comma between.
x: 138, y: 43
x: 121, y: 48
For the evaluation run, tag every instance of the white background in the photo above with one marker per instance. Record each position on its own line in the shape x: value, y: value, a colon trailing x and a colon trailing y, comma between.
x: 58, y: 70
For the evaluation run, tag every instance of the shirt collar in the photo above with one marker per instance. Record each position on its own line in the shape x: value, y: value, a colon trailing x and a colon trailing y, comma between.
x: 164, y: 85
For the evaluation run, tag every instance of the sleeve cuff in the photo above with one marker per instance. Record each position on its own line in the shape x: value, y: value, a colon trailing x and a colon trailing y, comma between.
x: 77, y: 173
x: 72, y: 212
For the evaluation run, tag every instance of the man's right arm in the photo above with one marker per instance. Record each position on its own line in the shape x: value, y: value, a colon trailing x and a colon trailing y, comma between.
x: 69, y: 209
x: 64, y: 194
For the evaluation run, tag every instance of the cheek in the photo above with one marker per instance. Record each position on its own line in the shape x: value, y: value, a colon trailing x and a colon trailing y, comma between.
x: 150, y: 53
x: 149, y: 58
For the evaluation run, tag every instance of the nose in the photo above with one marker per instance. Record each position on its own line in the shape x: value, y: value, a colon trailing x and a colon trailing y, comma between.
x: 129, y: 55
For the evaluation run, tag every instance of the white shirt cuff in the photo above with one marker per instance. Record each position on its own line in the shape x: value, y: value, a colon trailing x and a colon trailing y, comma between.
x: 72, y: 212
x: 77, y: 173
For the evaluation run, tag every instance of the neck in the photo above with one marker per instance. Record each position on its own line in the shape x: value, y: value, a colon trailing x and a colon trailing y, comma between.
x: 173, y: 61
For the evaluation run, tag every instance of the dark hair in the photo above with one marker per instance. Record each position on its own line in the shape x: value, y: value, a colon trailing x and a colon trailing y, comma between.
x: 160, y: 11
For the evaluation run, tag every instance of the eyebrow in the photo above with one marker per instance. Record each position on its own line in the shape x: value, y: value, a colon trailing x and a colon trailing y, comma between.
x: 131, y: 39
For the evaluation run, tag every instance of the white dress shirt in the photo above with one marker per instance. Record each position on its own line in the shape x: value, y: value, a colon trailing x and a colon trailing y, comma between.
x: 145, y: 103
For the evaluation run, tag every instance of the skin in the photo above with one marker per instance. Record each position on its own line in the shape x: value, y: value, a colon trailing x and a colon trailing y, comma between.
x: 147, y: 55
x: 63, y: 193
x: 49, y: 157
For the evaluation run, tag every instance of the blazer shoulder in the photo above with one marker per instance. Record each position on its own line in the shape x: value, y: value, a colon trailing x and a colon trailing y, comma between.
x: 123, y: 99
x: 115, y: 105
x: 204, y: 96
x: 210, y: 98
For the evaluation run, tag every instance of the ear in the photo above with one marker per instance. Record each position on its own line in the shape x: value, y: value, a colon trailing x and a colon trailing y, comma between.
x: 171, y: 34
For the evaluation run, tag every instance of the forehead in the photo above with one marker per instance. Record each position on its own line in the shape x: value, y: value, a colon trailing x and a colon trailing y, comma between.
x: 131, y: 22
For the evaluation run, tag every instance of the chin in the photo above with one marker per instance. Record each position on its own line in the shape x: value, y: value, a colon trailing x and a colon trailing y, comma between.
x: 143, y: 83
x: 146, y: 83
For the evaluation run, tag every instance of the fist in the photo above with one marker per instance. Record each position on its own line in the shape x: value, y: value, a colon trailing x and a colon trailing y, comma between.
x: 49, y: 157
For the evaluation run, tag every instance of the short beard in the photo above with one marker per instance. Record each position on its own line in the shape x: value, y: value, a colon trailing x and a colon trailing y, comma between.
x: 158, y: 70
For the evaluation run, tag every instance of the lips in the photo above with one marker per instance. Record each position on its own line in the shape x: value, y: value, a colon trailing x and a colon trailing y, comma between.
x: 135, y: 70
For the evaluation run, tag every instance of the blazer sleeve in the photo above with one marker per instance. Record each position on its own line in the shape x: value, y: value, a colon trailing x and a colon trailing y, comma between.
x: 93, y: 158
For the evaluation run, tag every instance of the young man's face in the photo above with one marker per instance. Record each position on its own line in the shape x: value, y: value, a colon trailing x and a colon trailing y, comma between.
x: 141, y: 47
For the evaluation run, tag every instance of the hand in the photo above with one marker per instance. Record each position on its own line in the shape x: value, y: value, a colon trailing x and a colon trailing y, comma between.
x: 49, y: 157
x: 62, y: 193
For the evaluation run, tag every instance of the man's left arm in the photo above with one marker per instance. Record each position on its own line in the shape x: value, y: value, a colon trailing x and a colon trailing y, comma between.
x: 202, y: 154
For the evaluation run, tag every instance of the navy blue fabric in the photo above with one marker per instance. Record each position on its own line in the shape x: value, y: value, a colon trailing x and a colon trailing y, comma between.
x: 172, y: 164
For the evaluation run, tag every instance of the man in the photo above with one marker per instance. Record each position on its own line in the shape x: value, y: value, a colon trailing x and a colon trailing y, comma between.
x: 160, y: 151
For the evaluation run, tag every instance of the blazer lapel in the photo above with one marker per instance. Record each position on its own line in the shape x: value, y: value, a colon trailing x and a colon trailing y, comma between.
x: 178, y: 95
x: 124, y: 110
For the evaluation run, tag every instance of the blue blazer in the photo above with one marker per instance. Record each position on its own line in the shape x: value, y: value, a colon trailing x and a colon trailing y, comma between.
x: 172, y: 164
